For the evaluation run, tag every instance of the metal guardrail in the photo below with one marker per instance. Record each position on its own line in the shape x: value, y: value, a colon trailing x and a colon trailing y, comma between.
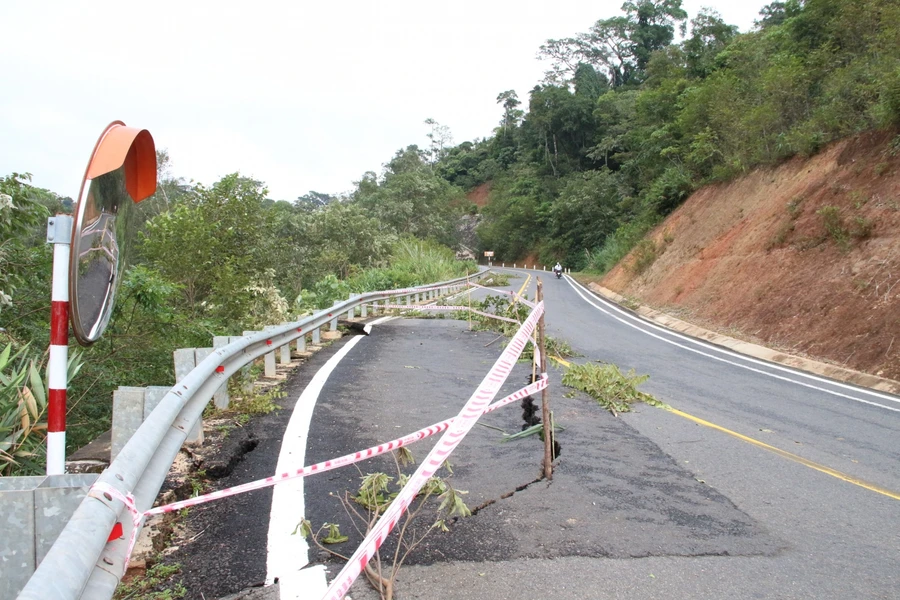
x: 82, y: 563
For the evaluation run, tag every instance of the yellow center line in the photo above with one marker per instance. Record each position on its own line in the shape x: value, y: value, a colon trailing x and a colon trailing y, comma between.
x: 561, y: 361
x: 788, y: 455
x: 522, y: 289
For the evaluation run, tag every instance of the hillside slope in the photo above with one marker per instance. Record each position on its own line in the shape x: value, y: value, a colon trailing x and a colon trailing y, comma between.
x: 804, y: 257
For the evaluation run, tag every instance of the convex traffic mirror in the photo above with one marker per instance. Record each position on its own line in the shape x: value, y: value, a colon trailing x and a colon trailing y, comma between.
x: 120, y: 173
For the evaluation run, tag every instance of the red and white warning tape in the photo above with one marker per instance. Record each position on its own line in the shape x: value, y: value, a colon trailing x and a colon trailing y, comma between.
x: 456, y: 429
x: 448, y: 309
x: 462, y: 424
x: 328, y: 465
x: 509, y: 293
x: 137, y: 517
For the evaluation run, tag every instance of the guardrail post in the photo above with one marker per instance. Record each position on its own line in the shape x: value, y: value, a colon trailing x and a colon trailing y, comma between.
x: 185, y: 361
x: 220, y: 398
x: 132, y: 406
x: 316, y: 337
x: 514, y: 265
x: 269, y: 361
x: 285, y: 354
x: 363, y: 310
x: 301, y: 343
x: 352, y: 312
x: 335, y: 319
x: 246, y: 383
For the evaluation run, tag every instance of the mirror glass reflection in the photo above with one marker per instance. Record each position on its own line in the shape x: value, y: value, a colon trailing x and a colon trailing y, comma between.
x: 99, y: 251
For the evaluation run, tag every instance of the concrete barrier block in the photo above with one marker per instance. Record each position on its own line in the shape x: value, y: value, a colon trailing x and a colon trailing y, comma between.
x: 128, y: 414
x: 17, y: 559
x: 185, y: 362
x: 153, y: 395
x: 55, y: 500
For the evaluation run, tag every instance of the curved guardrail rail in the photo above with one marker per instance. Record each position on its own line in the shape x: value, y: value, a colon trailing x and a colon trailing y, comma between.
x: 83, y: 563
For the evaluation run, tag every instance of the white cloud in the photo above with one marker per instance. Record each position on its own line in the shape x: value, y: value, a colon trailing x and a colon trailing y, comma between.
x: 301, y: 95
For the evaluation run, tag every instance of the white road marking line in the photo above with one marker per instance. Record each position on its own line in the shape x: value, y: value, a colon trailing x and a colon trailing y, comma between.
x: 629, y: 322
x: 287, y: 554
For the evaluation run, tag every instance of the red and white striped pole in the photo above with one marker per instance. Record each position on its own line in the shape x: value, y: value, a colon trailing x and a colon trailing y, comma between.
x: 59, y: 233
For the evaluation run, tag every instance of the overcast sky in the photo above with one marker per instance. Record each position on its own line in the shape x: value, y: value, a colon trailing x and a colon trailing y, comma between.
x: 302, y: 95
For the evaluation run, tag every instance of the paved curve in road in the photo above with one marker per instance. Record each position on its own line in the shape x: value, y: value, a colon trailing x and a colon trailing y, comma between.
x: 649, y: 505
x: 838, y: 532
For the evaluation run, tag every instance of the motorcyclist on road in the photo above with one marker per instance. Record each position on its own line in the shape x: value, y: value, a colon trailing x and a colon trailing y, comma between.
x: 557, y: 270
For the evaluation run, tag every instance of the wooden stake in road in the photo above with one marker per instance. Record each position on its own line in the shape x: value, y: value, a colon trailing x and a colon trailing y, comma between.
x: 469, y: 295
x: 545, y: 394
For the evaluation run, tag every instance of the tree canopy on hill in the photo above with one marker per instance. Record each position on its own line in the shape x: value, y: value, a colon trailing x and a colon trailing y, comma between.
x: 627, y: 121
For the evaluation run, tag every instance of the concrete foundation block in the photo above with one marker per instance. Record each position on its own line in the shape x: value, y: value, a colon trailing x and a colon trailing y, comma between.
x: 128, y: 414
x: 33, y: 511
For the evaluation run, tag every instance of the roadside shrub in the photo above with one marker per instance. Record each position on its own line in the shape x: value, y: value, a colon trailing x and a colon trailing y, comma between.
x: 23, y: 404
x: 619, y: 244
x: 834, y: 226
x: 643, y: 257
x: 330, y: 289
x: 861, y: 228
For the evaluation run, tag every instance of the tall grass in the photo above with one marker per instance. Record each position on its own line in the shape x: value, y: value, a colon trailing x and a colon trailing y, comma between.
x: 619, y: 244
x: 412, y: 262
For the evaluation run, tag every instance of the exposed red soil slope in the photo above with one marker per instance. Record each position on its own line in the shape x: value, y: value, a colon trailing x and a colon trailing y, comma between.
x: 480, y: 195
x: 756, y: 258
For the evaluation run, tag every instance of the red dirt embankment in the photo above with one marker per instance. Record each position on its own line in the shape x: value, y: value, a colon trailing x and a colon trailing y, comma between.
x: 804, y: 257
x: 480, y: 195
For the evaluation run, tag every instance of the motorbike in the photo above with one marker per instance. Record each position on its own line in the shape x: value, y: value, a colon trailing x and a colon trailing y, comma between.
x: 558, y: 274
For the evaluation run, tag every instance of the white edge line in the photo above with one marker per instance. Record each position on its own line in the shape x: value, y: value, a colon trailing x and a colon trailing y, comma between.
x: 286, y: 554
x: 590, y: 300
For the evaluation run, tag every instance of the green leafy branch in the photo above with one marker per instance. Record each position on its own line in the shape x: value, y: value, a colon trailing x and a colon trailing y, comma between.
x: 614, y: 390
x: 374, y: 495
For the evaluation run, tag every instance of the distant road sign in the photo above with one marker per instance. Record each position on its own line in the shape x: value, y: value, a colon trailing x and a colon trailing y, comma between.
x: 489, y: 254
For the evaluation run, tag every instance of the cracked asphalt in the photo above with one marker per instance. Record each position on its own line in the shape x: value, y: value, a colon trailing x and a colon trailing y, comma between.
x: 614, y: 494
x: 629, y: 514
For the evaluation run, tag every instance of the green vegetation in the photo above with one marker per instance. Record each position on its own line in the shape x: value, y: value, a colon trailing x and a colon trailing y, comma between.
x: 627, y: 122
x: 496, y: 280
x: 23, y: 404
x: 149, y: 586
x: 614, y: 390
x: 374, y: 495
x: 210, y: 260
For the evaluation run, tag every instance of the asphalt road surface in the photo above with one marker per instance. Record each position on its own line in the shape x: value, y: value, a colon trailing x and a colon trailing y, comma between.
x: 646, y: 505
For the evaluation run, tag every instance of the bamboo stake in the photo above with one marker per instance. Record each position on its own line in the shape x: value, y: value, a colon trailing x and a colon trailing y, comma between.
x: 469, y: 295
x: 545, y: 394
